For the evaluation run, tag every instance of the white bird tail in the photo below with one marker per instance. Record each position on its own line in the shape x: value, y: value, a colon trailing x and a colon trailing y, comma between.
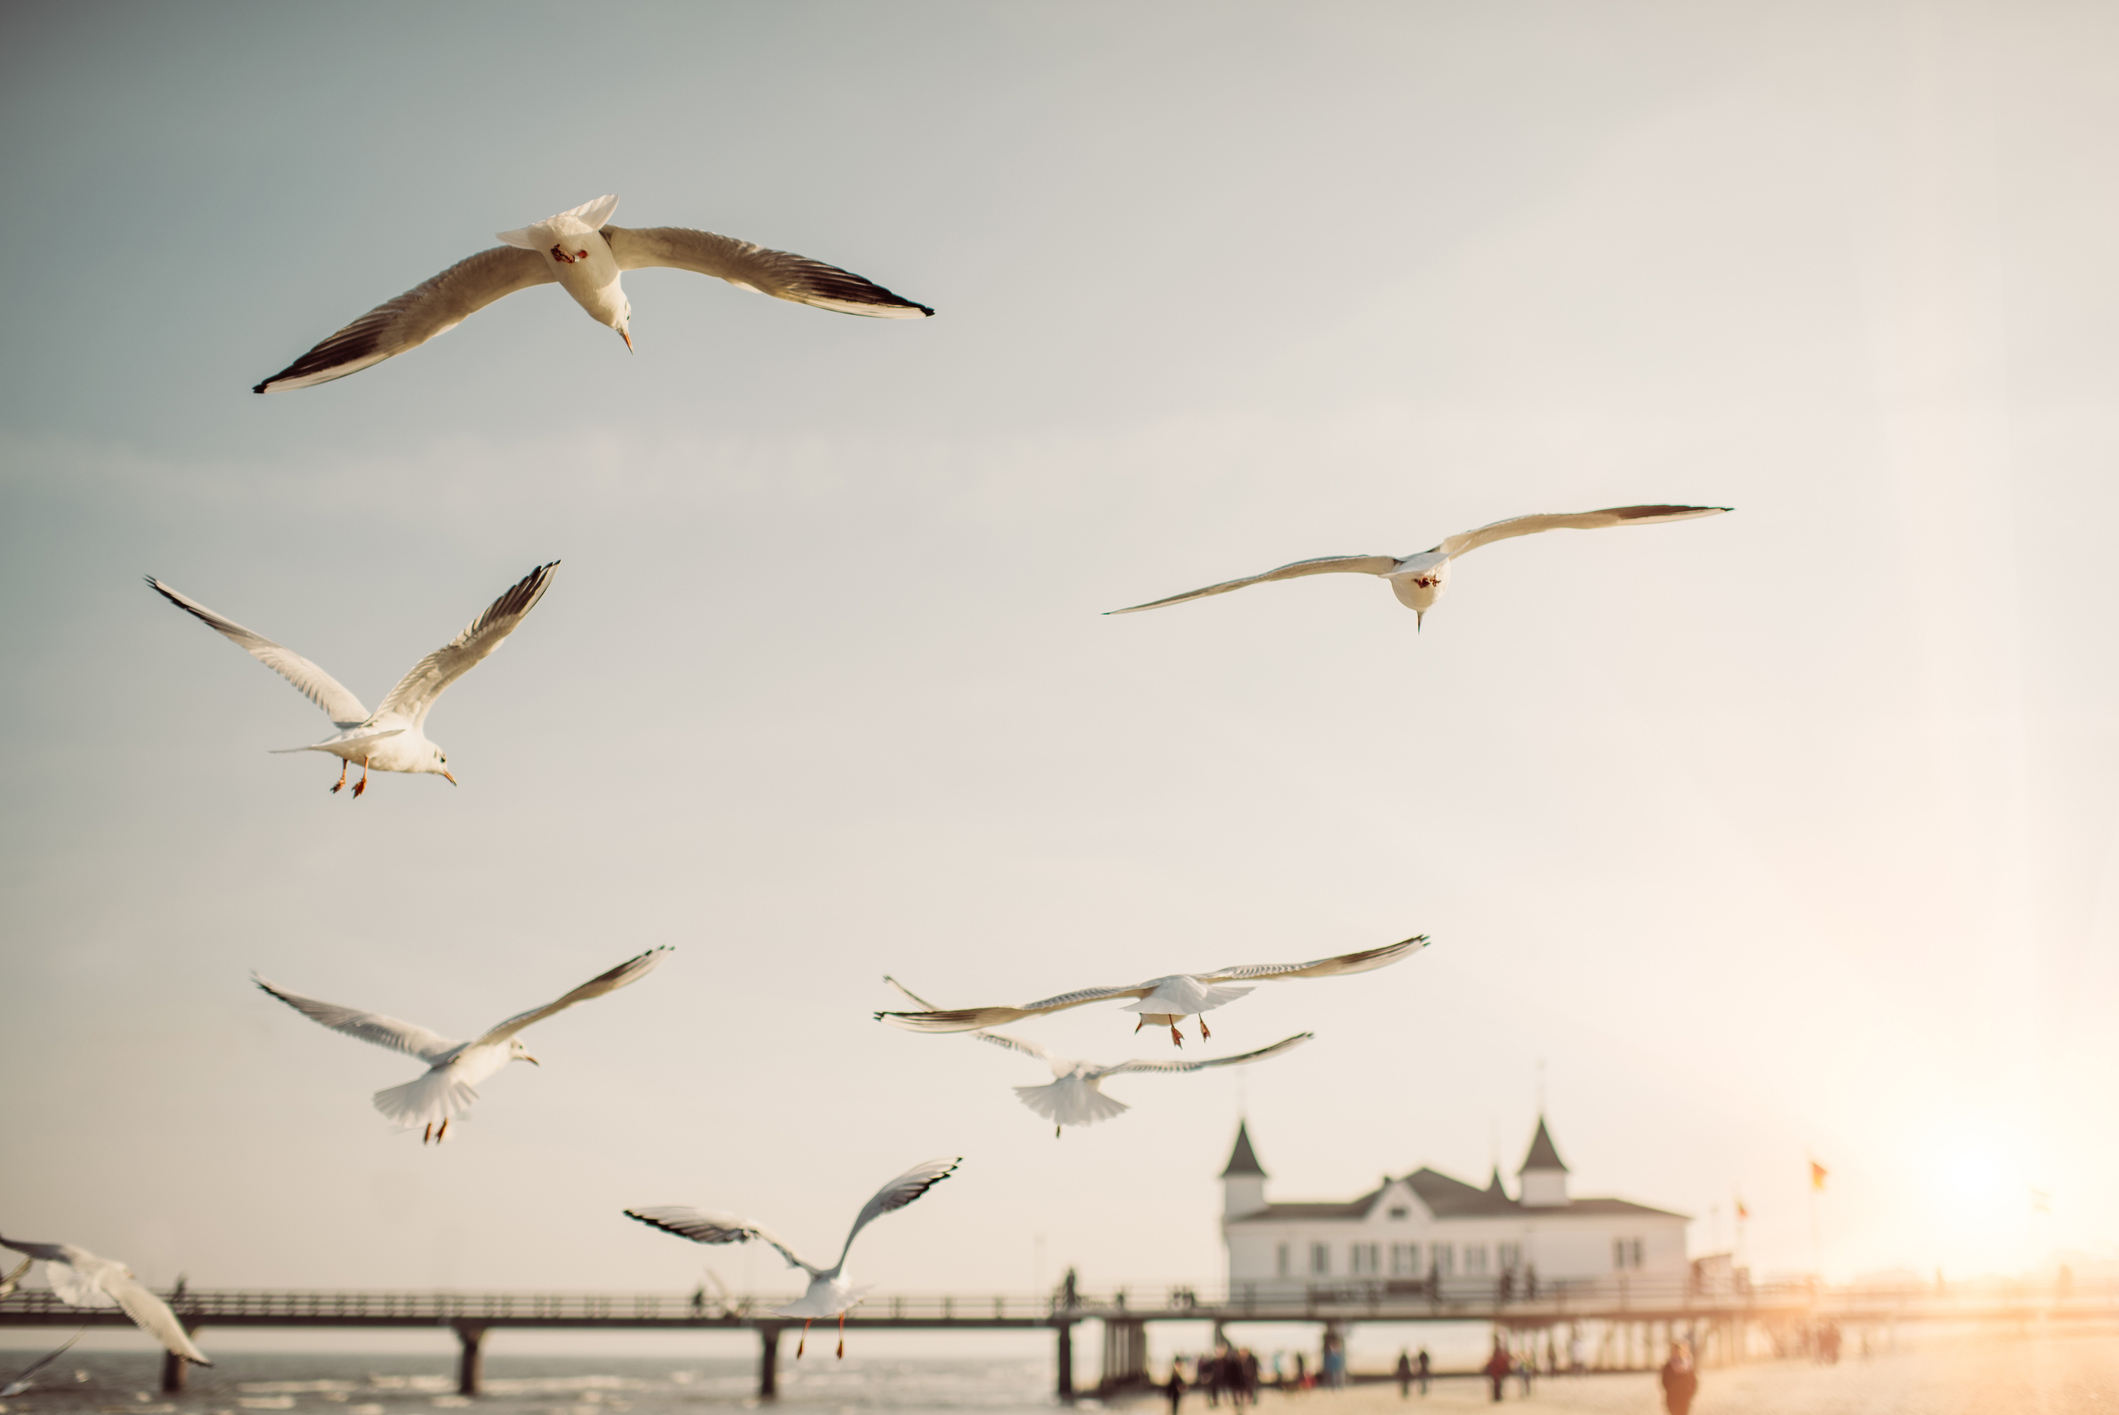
x: 575, y: 221
x: 1071, y: 1101
x: 430, y: 1100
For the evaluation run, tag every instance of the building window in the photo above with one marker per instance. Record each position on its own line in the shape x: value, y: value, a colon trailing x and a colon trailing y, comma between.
x: 1364, y: 1259
x: 1443, y: 1258
x: 1625, y: 1253
x: 1283, y: 1263
x: 1475, y: 1260
x: 1320, y: 1259
x: 1399, y: 1213
x: 1405, y: 1259
x: 1510, y: 1256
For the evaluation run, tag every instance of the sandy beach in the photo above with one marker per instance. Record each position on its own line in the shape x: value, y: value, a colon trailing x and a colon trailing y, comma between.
x: 2048, y: 1376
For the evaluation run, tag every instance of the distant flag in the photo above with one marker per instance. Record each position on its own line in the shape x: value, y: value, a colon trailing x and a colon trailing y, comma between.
x: 2041, y: 1202
x: 1817, y: 1175
x: 1742, y: 1213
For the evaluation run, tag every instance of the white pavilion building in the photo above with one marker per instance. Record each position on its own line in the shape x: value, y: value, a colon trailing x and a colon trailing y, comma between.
x: 1429, y: 1228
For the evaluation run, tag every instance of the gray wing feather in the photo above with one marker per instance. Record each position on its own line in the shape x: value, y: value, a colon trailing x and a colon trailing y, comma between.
x: 1576, y: 521
x: 1324, y: 565
x: 312, y: 682
x: 425, y: 310
x: 415, y: 693
x: 1360, y: 962
x: 630, y: 971
x: 407, y: 1037
x: 1206, y: 1063
x: 714, y: 1228
x: 977, y: 1019
x: 781, y: 274
x: 898, y: 1193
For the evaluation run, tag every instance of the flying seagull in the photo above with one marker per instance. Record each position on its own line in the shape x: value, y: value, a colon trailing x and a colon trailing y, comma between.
x: 454, y: 1069
x: 1419, y: 580
x: 81, y: 1279
x: 1075, y: 1096
x: 829, y: 1294
x: 23, y: 1381
x: 394, y: 736
x: 586, y: 255
x: 1162, y: 1001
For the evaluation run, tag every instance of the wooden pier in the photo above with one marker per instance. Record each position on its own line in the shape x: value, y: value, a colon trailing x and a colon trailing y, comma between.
x: 1626, y: 1314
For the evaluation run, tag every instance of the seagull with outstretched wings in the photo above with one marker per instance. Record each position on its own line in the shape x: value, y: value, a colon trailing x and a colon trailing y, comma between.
x: 394, y: 736
x: 1161, y: 1002
x: 830, y: 1293
x: 581, y: 252
x: 81, y: 1279
x: 454, y: 1068
x: 1419, y: 580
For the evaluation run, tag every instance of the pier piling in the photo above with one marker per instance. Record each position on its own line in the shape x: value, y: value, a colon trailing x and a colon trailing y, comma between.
x: 768, y: 1360
x: 470, y: 1368
x: 1066, y: 1360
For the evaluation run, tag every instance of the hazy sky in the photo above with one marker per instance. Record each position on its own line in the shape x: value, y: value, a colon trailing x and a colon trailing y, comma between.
x: 1782, y: 834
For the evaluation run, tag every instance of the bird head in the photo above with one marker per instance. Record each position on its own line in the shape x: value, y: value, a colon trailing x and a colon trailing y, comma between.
x: 518, y: 1052
x: 623, y: 322
x: 438, y: 763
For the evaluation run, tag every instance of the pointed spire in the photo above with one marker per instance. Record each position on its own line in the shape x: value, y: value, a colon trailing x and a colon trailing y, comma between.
x: 1542, y: 1153
x: 1494, y: 1186
x: 1243, y: 1160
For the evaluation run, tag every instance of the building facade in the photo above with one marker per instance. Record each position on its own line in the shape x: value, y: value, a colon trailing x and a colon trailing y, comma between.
x: 1427, y: 1231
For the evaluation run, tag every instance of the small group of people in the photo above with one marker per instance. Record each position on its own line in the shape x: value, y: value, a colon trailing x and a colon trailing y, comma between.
x: 1502, y: 1364
x: 1225, y: 1371
x: 1414, y: 1370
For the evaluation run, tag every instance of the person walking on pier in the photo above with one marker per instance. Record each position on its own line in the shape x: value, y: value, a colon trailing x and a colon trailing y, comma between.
x: 1497, y: 1368
x: 1680, y: 1381
x: 1175, y: 1390
x: 1405, y: 1375
x: 1424, y: 1368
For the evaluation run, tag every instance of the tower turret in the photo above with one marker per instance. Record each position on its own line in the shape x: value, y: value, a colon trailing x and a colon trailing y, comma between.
x: 1542, y: 1181
x: 1243, y: 1179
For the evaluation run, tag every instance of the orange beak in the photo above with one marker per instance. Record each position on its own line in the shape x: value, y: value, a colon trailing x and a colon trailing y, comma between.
x: 628, y: 340
x: 451, y: 779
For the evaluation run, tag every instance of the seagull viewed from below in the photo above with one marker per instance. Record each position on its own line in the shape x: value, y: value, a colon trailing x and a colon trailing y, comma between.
x: 1419, y: 580
x: 81, y: 1279
x: 393, y: 737
x: 585, y: 255
x: 454, y: 1069
x: 829, y: 1294
x: 24, y: 1378
x: 1075, y: 1096
x: 1162, y: 1001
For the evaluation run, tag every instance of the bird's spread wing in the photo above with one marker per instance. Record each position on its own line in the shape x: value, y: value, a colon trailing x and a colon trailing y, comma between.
x: 897, y: 1194
x: 1017, y: 1044
x: 314, y: 683
x: 977, y: 1019
x: 153, y: 1315
x: 406, y: 1037
x: 630, y: 971
x: 1360, y: 962
x: 416, y: 316
x: 415, y: 693
x: 21, y: 1380
x: 780, y: 274
x: 7, y: 1284
x: 908, y: 992
x: 1203, y: 1063
x: 1325, y: 565
x: 714, y: 1228
x: 1579, y: 521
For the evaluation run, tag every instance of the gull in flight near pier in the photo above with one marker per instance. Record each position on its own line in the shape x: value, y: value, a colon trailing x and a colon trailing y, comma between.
x: 1075, y: 1096
x: 829, y: 1294
x: 454, y: 1069
x: 1419, y: 580
x: 23, y: 1379
x: 585, y: 255
x: 394, y: 736
x: 81, y: 1279
x: 1162, y: 1001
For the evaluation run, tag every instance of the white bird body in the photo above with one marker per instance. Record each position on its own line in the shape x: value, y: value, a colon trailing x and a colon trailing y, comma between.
x: 831, y: 1293
x: 1419, y: 580
x: 81, y: 1279
x: 393, y: 737
x: 450, y: 1084
x: 1159, y: 1001
x: 581, y: 252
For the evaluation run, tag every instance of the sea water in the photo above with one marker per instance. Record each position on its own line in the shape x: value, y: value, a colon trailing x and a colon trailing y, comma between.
x: 341, y: 1383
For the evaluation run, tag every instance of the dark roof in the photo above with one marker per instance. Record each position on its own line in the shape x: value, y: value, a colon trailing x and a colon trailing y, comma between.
x: 1494, y: 1184
x: 1542, y: 1154
x: 1448, y: 1198
x: 1356, y: 1209
x: 1453, y: 1198
x: 1243, y: 1159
